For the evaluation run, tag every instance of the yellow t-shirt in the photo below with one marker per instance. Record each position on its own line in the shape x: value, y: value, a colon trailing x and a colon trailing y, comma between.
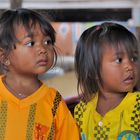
x: 32, y: 118
x: 121, y: 123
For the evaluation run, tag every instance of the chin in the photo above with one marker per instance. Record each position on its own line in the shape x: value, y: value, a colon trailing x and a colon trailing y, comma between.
x: 129, y: 90
x: 41, y: 72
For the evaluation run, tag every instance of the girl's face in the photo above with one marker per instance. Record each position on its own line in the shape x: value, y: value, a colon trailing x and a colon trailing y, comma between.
x: 119, y: 73
x: 34, y: 53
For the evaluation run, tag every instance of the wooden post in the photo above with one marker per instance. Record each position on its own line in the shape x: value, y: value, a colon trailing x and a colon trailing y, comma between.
x: 15, y: 4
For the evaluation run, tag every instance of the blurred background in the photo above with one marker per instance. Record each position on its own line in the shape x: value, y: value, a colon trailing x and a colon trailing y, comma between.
x: 70, y: 18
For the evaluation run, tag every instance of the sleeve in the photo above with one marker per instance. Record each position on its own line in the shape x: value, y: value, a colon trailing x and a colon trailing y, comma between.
x: 66, y: 128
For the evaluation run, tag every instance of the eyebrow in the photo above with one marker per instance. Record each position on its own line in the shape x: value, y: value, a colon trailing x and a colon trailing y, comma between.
x: 26, y: 36
x: 119, y: 52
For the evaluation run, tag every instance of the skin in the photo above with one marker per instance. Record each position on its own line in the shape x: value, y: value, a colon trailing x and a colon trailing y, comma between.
x: 119, y: 74
x: 33, y: 55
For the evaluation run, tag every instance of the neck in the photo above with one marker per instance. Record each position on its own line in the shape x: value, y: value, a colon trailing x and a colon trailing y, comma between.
x: 108, y: 101
x: 21, y: 87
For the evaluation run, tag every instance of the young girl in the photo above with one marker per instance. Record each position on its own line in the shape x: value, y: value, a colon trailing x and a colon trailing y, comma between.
x: 30, y: 110
x: 106, y: 62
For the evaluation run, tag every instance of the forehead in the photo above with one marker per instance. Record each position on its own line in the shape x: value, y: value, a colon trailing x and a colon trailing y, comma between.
x: 108, y: 50
x: 120, y: 48
x: 22, y: 32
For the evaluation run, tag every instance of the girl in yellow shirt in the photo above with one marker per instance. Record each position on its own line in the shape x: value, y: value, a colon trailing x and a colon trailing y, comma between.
x: 106, y: 62
x: 30, y: 110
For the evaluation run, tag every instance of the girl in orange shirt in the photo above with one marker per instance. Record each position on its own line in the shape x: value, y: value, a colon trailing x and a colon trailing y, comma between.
x: 29, y: 109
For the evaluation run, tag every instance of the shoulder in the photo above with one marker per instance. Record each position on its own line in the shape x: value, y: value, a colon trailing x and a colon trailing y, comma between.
x: 136, y: 93
x: 136, y: 99
x: 131, y: 104
x: 56, y: 102
x: 79, y: 111
x: 49, y: 96
x: 51, y: 93
x: 84, y: 107
x: 133, y: 110
x: 56, y: 99
x: 81, y: 107
x: 133, y: 97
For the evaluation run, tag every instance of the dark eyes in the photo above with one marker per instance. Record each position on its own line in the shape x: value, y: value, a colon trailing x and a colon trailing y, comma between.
x: 133, y: 59
x: 30, y: 44
x: 118, y: 60
x: 46, y: 42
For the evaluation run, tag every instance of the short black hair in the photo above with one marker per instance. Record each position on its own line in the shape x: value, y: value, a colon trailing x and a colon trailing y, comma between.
x: 88, y: 55
x: 10, y: 19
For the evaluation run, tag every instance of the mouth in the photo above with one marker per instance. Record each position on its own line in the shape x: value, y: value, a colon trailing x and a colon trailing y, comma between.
x: 42, y: 62
x: 130, y: 79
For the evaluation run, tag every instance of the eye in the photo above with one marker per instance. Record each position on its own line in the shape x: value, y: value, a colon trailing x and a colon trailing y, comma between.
x: 30, y: 44
x: 48, y: 42
x: 134, y: 59
x: 118, y: 60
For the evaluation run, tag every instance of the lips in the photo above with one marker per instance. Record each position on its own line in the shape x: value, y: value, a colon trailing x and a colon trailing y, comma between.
x: 42, y: 62
x: 130, y: 79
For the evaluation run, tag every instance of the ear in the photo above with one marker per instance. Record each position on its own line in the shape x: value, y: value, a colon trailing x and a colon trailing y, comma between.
x: 3, y: 58
x: 2, y: 55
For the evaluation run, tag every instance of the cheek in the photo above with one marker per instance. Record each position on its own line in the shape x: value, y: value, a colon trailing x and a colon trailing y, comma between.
x: 111, y: 74
x: 50, y: 57
x: 137, y: 74
x: 108, y: 70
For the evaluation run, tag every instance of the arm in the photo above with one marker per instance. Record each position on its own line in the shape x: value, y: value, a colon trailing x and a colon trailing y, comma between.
x: 66, y: 128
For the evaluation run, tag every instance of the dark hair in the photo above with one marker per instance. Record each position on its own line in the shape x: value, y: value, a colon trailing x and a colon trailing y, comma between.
x: 88, y: 55
x: 10, y: 19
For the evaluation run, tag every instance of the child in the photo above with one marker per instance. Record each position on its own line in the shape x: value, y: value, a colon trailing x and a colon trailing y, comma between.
x: 106, y: 62
x: 30, y: 110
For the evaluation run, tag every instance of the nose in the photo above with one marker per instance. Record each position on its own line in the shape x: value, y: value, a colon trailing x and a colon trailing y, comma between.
x: 129, y: 65
x: 41, y: 49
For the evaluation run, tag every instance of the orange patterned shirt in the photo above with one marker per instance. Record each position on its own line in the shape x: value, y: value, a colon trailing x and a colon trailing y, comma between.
x: 41, y: 116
